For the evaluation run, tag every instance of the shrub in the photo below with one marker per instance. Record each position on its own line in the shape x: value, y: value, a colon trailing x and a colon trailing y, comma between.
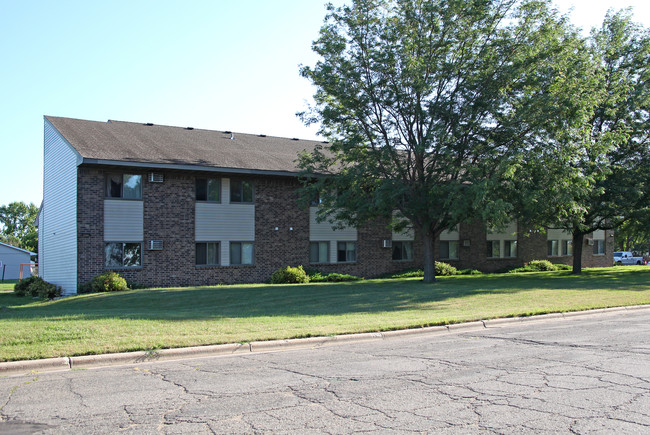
x: 289, y: 275
x: 317, y: 276
x: 542, y: 265
x: 44, y: 289
x: 108, y: 282
x: 406, y: 273
x: 444, y: 269
x: 21, y: 288
x: 341, y: 277
x: 36, y: 286
x: 470, y: 272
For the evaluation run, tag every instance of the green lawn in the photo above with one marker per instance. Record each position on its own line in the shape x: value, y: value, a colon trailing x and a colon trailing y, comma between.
x: 174, y: 317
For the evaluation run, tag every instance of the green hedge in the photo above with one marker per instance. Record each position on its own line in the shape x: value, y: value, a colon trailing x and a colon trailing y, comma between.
x: 36, y: 286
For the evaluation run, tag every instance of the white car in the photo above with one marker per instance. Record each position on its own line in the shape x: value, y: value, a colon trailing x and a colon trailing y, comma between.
x: 626, y: 257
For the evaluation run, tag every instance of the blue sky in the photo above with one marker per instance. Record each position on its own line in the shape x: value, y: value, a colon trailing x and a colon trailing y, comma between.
x: 223, y: 65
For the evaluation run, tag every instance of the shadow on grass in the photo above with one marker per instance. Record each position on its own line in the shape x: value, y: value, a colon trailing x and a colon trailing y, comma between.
x: 371, y: 296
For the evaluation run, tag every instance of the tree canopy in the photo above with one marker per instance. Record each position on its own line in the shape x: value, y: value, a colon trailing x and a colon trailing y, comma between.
x: 608, y: 170
x: 431, y: 105
x: 17, y: 221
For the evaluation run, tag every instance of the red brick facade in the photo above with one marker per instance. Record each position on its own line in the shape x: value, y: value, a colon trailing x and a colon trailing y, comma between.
x: 169, y: 215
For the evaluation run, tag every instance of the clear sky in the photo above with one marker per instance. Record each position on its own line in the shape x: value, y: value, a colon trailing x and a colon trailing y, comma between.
x: 214, y: 64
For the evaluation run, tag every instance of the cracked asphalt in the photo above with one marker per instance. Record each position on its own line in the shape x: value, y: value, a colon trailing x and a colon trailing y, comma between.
x: 582, y: 374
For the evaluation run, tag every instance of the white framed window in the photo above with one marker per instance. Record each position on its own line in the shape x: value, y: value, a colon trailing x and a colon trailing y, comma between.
x: 599, y: 247
x: 567, y: 247
x: 207, y: 254
x: 241, y: 253
x: 241, y: 191
x: 449, y: 249
x: 559, y: 242
x: 319, y: 252
x: 122, y: 254
x: 346, y: 252
x: 402, y: 251
x: 208, y: 189
x: 126, y: 186
x: 503, y: 244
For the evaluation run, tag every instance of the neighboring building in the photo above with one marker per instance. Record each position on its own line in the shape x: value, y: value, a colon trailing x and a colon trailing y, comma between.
x: 172, y: 206
x: 11, y: 258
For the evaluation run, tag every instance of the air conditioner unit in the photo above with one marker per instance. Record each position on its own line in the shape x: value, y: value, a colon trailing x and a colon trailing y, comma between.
x: 387, y: 243
x: 155, y: 245
x: 590, y: 242
x: 155, y: 177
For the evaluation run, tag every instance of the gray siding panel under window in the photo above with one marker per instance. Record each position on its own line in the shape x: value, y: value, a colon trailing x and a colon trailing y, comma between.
x: 58, y: 232
x: 224, y: 223
x: 123, y: 220
x: 323, y: 232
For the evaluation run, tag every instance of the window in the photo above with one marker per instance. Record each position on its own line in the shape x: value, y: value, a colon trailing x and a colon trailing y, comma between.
x: 119, y: 254
x: 127, y: 186
x: 494, y: 248
x: 567, y: 247
x: 241, y: 191
x: 510, y: 248
x: 319, y: 252
x: 207, y: 254
x: 403, y: 251
x: 346, y: 252
x: 208, y: 189
x: 553, y: 248
x: 449, y: 249
x: 241, y: 253
x: 599, y: 247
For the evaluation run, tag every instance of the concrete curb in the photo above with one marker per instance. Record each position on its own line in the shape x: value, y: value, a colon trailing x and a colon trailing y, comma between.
x: 17, y: 368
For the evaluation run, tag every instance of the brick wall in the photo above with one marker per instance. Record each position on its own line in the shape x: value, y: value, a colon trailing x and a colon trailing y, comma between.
x: 169, y: 215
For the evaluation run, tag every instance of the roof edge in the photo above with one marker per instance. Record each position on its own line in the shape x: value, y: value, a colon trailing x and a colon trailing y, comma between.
x: 187, y: 167
x: 17, y: 248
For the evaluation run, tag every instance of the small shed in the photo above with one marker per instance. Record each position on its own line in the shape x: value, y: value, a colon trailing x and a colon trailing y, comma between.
x: 10, y: 260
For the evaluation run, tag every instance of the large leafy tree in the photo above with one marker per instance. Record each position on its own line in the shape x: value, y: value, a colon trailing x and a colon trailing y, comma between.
x: 17, y: 222
x: 428, y: 105
x: 609, y: 167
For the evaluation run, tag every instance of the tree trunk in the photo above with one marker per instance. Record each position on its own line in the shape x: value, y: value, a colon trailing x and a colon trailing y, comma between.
x: 429, y: 259
x: 578, y: 243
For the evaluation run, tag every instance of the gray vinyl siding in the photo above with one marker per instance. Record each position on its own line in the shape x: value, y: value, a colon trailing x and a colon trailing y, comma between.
x: 123, y: 220
x: 407, y: 235
x: 58, y: 232
x: 224, y: 222
x: 323, y: 232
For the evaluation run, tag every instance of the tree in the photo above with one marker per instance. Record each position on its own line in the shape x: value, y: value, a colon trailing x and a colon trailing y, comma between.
x: 610, y: 165
x: 18, y: 225
x: 427, y: 106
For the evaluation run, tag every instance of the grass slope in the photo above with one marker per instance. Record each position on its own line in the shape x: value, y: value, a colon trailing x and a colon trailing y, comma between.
x: 175, y: 317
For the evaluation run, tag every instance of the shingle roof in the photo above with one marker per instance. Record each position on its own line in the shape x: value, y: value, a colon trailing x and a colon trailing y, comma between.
x: 164, y: 146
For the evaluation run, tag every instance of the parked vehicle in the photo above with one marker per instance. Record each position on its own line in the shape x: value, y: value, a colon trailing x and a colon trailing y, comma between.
x: 626, y: 257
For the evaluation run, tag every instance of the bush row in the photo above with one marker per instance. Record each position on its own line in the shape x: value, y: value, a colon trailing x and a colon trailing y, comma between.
x: 444, y: 269
x: 297, y: 275
x: 35, y: 286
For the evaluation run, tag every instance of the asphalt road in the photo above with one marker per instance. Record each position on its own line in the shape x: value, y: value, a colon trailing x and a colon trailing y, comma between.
x: 582, y: 374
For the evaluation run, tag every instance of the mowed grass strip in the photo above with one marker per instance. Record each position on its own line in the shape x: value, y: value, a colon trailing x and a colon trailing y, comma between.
x: 176, y: 317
